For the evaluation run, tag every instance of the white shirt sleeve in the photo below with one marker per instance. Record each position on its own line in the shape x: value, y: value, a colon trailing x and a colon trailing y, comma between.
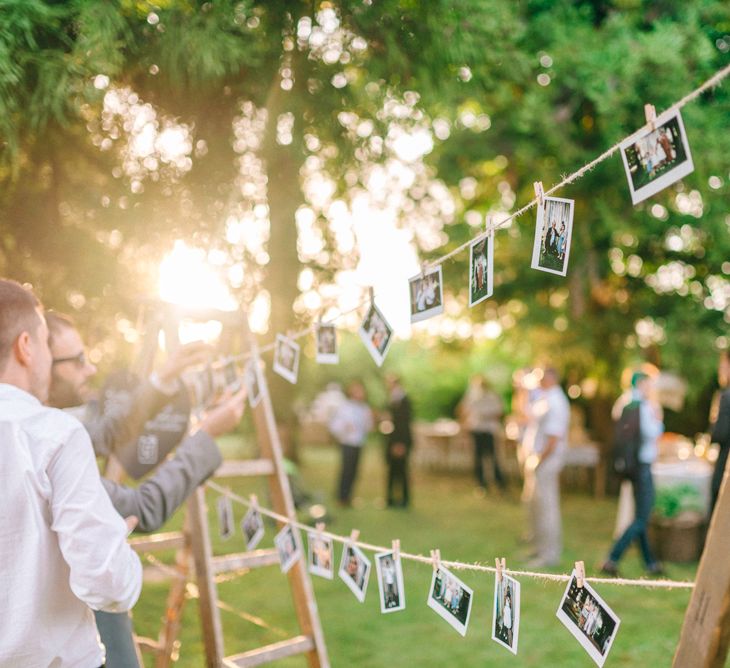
x: 557, y: 418
x: 104, y: 571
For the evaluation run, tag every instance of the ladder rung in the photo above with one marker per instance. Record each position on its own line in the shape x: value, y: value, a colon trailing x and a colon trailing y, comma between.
x: 247, y: 467
x: 147, y: 644
x: 232, y: 562
x: 172, y: 540
x: 279, y: 650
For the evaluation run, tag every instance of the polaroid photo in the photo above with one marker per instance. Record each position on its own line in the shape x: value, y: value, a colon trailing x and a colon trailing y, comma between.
x: 253, y: 383
x: 286, y: 358
x: 231, y: 379
x: 506, y: 617
x: 226, y: 527
x: 655, y: 159
x: 252, y: 526
x: 376, y: 334
x: 587, y: 616
x: 426, y: 294
x: 355, y: 570
x: 321, y: 555
x: 326, y: 337
x: 390, y: 581
x: 553, y: 230
x: 451, y: 599
x: 287, y: 545
x: 481, y: 269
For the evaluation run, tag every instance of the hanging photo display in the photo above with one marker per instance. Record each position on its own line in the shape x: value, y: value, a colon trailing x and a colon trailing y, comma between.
x: 481, y: 269
x: 654, y: 159
x: 426, y: 294
x: 587, y: 616
x: 253, y: 383
x: 355, y: 570
x: 451, y: 599
x: 252, y: 526
x: 321, y: 555
x: 326, y: 339
x: 506, y: 613
x: 226, y: 526
x: 286, y: 358
x: 376, y: 334
x: 287, y: 545
x: 390, y: 582
x: 553, y: 230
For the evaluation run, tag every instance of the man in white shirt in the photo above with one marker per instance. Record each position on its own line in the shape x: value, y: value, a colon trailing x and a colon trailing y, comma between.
x: 63, y: 548
x: 546, y: 440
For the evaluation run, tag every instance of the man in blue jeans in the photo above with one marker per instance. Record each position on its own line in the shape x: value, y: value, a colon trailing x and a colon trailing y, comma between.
x: 651, y: 425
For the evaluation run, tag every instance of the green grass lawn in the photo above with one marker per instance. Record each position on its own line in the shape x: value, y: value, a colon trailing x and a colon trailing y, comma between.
x: 447, y: 514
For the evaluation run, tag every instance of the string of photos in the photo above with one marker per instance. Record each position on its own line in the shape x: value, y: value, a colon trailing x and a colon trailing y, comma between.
x: 586, y: 615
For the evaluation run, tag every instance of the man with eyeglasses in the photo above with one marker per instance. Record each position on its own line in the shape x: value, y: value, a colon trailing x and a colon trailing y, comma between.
x: 63, y: 548
x: 157, y: 498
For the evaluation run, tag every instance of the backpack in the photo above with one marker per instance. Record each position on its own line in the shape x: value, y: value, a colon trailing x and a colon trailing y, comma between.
x: 627, y: 441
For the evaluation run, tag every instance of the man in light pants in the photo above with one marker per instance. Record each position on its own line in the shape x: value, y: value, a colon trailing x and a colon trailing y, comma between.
x: 546, y: 440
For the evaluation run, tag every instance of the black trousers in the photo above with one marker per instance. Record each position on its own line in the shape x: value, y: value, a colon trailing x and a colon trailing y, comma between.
x: 718, y: 475
x: 398, y: 479
x: 350, y: 462
x: 484, y: 447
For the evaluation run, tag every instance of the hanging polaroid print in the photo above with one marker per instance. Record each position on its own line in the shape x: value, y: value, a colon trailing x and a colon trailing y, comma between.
x: 355, y: 570
x: 390, y: 581
x: 376, y: 334
x: 321, y: 555
x: 225, y: 517
x: 287, y: 545
x: 506, y: 616
x: 326, y: 337
x: 451, y: 599
x: 426, y: 294
x: 481, y: 269
x: 253, y: 383
x: 552, y: 235
x: 286, y: 358
x: 252, y: 526
x: 654, y: 159
x: 586, y: 615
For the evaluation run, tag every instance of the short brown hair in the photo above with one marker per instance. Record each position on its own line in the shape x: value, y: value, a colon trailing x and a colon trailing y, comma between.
x: 18, y: 314
x: 57, y: 322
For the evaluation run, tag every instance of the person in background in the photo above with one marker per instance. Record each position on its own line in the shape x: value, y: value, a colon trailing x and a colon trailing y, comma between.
x: 350, y: 425
x: 63, y: 547
x: 480, y: 411
x: 546, y: 440
x: 651, y: 425
x: 399, y: 443
x: 721, y: 426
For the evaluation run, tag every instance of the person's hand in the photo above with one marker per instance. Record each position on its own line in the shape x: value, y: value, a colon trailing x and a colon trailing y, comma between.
x: 184, y: 357
x: 131, y: 522
x: 398, y: 450
x: 225, y: 415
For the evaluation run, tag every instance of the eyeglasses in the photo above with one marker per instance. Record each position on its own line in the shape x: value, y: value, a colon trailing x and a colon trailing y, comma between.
x: 79, y: 359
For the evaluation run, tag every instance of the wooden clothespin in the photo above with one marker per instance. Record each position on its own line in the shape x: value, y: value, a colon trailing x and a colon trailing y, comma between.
x: 650, y: 114
x: 539, y: 192
x: 354, y: 535
x: 395, y: 548
x: 580, y: 573
x: 501, y: 565
x: 436, y: 559
x: 319, y: 527
x: 371, y: 293
x: 424, y: 267
x: 254, y: 502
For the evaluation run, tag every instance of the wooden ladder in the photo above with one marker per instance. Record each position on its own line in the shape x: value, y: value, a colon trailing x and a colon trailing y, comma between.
x: 193, y: 543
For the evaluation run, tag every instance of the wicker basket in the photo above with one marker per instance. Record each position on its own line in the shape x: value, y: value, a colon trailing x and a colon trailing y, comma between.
x: 679, y: 539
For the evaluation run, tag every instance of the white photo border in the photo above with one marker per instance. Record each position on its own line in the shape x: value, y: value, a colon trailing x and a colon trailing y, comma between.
x: 670, y: 177
x: 537, y: 244
x: 296, y: 555
x: 251, y: 374
x: 398, y: 581
x: 569, y: 624
x: 328, y: 573
x: 286, y: 374
x: 377, y: 356
x: 252, y: 542
x: 225, y: 510
x: 441, y: 611
x: 489, y: 240
x: 343, y: 575
x: 515, y: 612
x: 434, y: 310
x: 326, y: 358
